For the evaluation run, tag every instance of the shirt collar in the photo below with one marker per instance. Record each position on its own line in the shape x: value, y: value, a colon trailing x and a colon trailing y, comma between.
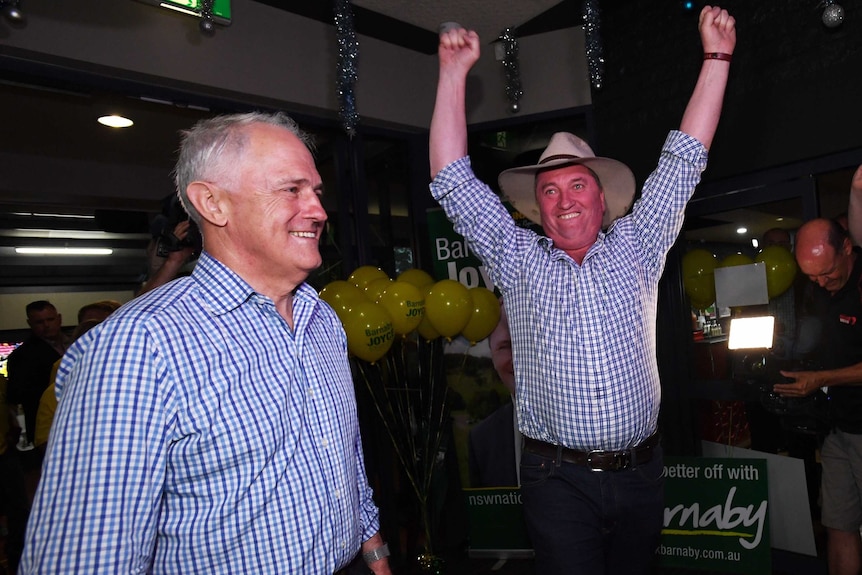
x: 558, y: 254
x: 225, y: 290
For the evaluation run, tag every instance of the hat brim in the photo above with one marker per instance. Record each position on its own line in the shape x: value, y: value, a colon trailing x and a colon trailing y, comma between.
x: 618, y: 185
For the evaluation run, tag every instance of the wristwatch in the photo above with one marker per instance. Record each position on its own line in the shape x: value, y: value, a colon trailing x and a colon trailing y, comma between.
x: 376, y: 554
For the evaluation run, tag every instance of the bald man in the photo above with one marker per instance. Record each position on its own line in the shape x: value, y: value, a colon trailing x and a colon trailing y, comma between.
x: 825, y: 254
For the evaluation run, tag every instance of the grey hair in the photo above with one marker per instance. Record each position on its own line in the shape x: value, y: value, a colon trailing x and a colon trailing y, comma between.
x: 205, y: 147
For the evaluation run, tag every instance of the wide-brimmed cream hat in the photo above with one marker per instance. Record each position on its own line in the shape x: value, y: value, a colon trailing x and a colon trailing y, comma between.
x: 564, y: 149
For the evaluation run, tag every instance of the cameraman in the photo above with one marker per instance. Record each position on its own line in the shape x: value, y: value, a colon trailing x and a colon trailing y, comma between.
x: 826, y: 255
x: 164, y: 268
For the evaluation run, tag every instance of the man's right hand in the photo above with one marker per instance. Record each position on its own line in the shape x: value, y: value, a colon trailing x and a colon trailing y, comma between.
x: 717, y: 30
x: 458, y: 51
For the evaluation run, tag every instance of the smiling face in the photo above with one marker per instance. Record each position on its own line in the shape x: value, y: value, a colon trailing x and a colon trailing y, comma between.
x: 274, y: 215
x: 572, y: 206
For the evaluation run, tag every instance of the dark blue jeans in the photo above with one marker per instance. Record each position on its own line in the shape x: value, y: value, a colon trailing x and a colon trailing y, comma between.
x: 593, y: 522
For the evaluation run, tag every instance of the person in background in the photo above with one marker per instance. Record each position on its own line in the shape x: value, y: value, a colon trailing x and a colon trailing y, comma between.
x: 827, y: 256
x: 163, y: 269
x: 777, y: 237
x: 495, y: 442
x: 29, y: 366
x: 767, y: 433
x: 14, y: 501
x: 209, y: 426
x: 97, y: 311
x: 581, y: 304
x: 783, y: 306
x: 89, y: 316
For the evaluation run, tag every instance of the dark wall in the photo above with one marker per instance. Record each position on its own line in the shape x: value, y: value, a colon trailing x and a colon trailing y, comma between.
x: 795, y: 88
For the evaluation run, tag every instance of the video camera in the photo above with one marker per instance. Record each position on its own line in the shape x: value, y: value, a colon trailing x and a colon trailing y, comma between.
x: 163, y: 225
x: 754, y: 376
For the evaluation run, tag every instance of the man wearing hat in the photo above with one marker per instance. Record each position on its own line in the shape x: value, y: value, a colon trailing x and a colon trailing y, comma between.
x: 581, y: 302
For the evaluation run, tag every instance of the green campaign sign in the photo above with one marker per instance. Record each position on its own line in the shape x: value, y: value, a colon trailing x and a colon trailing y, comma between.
x: 496, y: 519
x: 716, y: 515
x: 452, y: 258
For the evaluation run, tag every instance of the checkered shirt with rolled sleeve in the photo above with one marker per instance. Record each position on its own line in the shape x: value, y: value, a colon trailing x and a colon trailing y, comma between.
x: 583, y: 336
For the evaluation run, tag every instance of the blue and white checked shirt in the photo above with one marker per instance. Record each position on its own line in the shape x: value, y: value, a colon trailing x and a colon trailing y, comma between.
x: 583, y: 336
x: 196, y: 433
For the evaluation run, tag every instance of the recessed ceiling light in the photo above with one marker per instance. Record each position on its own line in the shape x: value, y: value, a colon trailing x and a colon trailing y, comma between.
x: 115, y: 121
x: 741, y: 230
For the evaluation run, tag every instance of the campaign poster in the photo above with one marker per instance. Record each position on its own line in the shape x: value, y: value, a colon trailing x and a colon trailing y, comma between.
x: 716, y: 515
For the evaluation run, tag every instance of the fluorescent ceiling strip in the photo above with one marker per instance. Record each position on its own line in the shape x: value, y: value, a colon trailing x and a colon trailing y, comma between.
x: 45, y: 215
x: 64, y: 251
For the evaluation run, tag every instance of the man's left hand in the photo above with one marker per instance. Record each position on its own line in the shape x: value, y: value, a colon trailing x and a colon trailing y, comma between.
x: 805, y: 383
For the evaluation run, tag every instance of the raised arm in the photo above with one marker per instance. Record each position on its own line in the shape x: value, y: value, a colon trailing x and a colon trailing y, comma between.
x: 458, y: 51
x: 854, y: 210
x: 718, y: 35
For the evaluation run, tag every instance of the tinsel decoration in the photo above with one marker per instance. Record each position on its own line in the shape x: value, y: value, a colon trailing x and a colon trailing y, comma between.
x: 348, y: 49
x: 510, y: 66
x: 592, y: 32
x: 207, y: 24
x: 833, y: 14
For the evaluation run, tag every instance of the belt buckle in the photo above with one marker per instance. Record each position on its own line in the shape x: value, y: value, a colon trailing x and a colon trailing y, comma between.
x: 620, y: 460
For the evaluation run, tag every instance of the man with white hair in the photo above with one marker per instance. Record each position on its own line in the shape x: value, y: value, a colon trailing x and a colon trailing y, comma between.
x: 209, y: 426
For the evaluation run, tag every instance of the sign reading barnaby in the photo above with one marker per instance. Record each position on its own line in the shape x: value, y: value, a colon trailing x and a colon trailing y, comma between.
x: 716, y: 515
x: 452, y: 258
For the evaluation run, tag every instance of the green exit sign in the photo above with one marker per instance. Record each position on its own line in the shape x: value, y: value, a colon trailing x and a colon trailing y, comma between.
x: 220, y: 8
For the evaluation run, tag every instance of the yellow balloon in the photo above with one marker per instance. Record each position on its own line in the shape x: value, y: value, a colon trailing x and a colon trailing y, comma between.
x: 417, y: 277
x: 701, y: 291
x: 485, y: 316
x: 375, y: 288
x: 369, y: 331
x: 448, y: 307
x: 698, y: 277
x: 364, y: 275
x: 340, y: 294
x: 426, y: 330
x: 735, y: 260
x: 406, y: 304
x: 780, y: 269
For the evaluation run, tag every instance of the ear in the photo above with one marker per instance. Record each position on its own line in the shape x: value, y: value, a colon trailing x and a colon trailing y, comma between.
x: 210, y: 202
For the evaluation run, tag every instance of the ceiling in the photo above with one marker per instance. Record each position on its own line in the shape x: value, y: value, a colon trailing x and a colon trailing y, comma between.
x: 53, y: 117
x: 414, y: 25
x: 60, y: 113
x: 487, y: 17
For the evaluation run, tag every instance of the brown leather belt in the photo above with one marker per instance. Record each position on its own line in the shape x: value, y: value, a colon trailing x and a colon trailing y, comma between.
x: 597, y: 460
